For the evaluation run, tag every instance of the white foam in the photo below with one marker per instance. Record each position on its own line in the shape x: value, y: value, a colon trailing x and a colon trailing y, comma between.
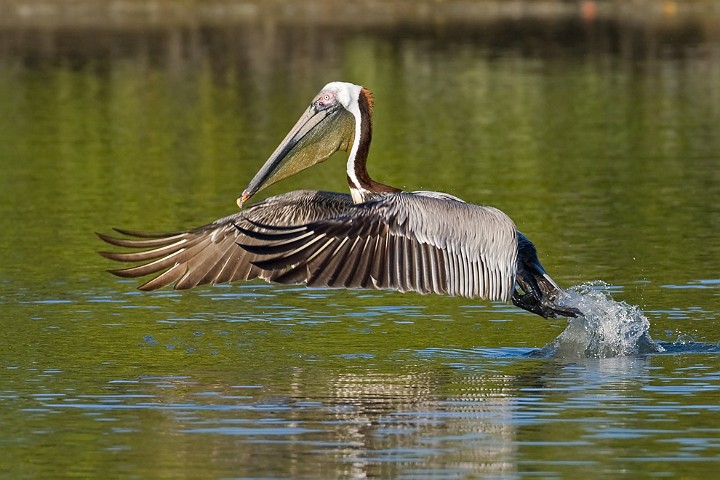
x: 606, y: 328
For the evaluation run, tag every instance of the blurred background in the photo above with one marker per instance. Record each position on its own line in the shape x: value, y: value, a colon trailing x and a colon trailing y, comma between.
x: 264, y: 36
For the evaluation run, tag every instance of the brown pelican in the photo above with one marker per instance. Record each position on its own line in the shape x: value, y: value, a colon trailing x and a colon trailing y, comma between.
x: 376, y: 237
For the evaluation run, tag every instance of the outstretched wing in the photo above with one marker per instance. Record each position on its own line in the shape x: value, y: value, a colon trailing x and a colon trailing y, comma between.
x: 404, y: 241
x: 210, y: 254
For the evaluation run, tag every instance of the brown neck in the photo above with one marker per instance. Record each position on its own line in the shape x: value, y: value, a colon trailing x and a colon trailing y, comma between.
x: 359, y: 160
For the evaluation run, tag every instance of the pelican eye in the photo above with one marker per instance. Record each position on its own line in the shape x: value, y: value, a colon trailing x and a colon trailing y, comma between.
x: 324, y: 101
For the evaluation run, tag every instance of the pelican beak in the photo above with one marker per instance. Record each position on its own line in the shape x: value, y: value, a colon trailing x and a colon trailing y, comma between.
x: 319, y: 133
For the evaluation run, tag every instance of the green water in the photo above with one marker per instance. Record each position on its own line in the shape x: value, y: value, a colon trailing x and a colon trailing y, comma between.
x: 607, y: 158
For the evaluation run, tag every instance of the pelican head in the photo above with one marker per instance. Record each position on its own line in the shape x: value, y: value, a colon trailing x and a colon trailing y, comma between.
x: 328, y: 125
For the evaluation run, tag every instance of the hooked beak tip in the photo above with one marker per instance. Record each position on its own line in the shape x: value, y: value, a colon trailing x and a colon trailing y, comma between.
x: 242, y: 199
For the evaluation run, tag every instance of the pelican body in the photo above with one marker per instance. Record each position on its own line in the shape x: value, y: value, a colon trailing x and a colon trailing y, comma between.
x: 378, y: 236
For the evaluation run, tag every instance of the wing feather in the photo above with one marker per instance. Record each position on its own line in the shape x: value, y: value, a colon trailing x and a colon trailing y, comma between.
x: 379, y: 263
x: 168, y: 277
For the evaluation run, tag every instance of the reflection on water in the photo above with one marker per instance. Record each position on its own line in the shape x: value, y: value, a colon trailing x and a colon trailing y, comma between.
x: 468, y: 417
x: 594, y: 127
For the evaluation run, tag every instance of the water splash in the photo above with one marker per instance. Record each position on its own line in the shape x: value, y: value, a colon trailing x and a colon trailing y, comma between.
x: 607, y: 328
